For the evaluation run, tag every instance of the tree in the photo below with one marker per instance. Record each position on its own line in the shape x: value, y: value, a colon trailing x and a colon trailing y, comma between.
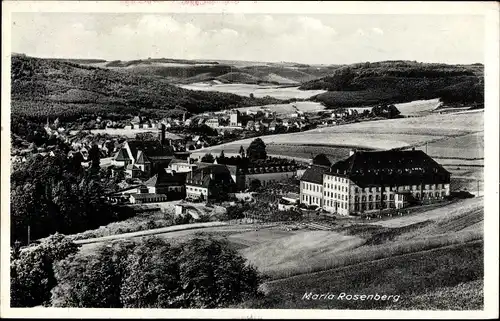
x: 92, y: 280
x: 251, y: 95
x: 242, y: 152
x: 32, y: 276
x: 94, y: 157
x: 255, y: 185
x: 222, y: 158
x: 151, y: 273
x: 257, y: 149
x: 208, y: 158
x: 214, y: 275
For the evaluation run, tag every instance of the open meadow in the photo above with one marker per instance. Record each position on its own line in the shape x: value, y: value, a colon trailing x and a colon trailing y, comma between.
x: 258, y: 91
x: 382, y: 134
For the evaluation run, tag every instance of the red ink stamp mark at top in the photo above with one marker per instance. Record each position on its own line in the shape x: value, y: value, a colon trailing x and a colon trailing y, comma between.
x: 205, y: 2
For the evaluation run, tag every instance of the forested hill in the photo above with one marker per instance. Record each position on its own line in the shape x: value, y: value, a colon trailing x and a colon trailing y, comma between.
x: 56, y: 88
x: 401, y: 81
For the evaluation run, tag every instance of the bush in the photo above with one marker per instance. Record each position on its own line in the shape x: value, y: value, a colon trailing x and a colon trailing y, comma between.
x: 32, y: 276
x: 200, y: 273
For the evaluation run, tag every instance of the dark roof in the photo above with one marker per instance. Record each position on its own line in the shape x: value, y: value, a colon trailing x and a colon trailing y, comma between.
x: 202, y: 176
x: 152, y: 149
x: 314, y: 174
x: 166, y: 179
x: 142, y: 158
x: 148, y: 196
x: 322, y: 160
x: 122, y: 155
x: 393, y: 167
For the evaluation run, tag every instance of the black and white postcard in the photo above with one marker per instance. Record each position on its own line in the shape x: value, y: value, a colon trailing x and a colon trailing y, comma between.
x: 260, y: 159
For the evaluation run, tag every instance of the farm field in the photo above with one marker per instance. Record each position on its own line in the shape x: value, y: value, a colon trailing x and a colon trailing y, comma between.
x: 257, y: 90
x: 412, y: 108
x: 126, y: 132
x: 380, y: 134
x: 286, y: 109
x: 470, y: 146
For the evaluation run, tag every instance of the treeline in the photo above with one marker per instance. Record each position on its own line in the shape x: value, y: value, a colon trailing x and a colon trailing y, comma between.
x: 151, y: 273
x: 42, y: 88
x: 398, y: 81
x: 56, y: 194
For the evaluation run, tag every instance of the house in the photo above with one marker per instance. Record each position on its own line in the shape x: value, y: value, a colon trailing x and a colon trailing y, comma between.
x: 213, y: 181
x: 141, y: 158
x: 245, y: 171
x: 234, y: 119
x: 213, y: 122
x: 167, y: 182
x: 147, y: 198
x: 371, y: 181
x: 311, y: 185
x: 182, y: 165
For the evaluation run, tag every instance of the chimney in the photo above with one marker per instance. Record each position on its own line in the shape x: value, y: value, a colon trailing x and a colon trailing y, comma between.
x: 352, y: 152
x: 162, y: 134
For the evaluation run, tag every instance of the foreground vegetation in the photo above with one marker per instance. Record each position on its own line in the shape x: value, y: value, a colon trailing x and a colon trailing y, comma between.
x: 416, y: 277
x: 201, y: 272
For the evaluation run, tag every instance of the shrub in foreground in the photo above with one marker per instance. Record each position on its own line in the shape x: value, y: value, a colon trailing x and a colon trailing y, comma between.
x: 199, y: 273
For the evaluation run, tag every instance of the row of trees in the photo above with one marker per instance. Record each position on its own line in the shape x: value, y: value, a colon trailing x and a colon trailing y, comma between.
x: 200, y: 273
x: 56, y: 194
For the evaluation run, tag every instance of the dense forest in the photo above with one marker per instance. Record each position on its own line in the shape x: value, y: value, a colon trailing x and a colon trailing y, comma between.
x: 56, y: 88
x: 400, y: 81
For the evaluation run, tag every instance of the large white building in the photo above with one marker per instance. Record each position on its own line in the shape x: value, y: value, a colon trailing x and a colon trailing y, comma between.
x: 371, y: 181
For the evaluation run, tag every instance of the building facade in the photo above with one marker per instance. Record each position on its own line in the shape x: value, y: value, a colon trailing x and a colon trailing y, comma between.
x: 371, y: 181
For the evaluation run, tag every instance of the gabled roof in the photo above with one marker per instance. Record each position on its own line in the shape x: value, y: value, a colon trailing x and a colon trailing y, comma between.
x: 151, y: 148
x: 162, y: 178
x: 322, y: 160
x: 142, y: 158
x: 122, y: 155
x: 314, y: 174
x: 210, y: 175
x: 390, y: 168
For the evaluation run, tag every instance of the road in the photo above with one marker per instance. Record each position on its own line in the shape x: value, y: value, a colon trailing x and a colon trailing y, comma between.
x: 177, y: 231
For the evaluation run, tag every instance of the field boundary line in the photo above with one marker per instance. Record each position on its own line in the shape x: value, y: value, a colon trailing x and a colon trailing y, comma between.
x: 376, y: 260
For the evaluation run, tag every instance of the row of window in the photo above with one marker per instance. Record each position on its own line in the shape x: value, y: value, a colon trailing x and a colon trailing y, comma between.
x: 311, y: 199
x: 337, y: 187
x: 395, y: 188
x: 311, y: 187
x: 335, y: 195
x: 336, y: 179
x: 332, y: 203
x: 195, y: 189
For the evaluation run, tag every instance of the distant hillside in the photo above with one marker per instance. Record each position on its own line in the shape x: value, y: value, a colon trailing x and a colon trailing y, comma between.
x: 400, y: 81
x: 55, y: 88
x: 185, y: 71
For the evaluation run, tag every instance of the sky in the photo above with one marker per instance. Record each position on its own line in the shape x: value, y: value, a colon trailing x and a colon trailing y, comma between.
x: 302, y: 38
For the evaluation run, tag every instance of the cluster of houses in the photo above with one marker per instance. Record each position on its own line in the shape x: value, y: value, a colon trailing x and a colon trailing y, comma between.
x: 162, y: 174
x: 373, y: 180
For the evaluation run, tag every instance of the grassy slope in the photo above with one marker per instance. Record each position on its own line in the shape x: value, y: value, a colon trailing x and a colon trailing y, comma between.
x: 431, y: 259
x: 399, y: 81
x: 415, y: 276
x: 42, y: 88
